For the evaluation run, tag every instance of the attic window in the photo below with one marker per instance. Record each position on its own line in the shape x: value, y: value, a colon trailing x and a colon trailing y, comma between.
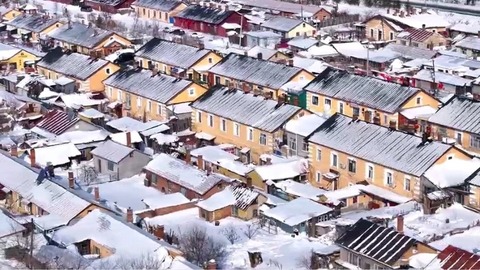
x: 57, y: 25
x: 304, y: 25
x: 107, y: 70
x: 210, y: 60
x: 419, y: 100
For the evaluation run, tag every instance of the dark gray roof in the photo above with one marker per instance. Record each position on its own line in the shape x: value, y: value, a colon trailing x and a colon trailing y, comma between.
x: 160, y: 88
x: 162, y: 5
x: 247, y: 109
x: 204, y: 14
x: 367, y: 91
x: 112, y: 151
x: 411, y: 53
x: 282, y: 24
x: 34, y: 23
x: 108, y: 2
x: 256, y: 71
x: 74, y: 65
x: 171, y: 53
x: 460, y: 114
x: 80, y: 34
x: 392, y: 149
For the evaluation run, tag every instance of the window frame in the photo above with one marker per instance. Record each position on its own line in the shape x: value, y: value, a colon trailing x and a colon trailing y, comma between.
x: 353, y: 163
x: 263, y: 137
x: 211, y: 120
x: 334, y: 154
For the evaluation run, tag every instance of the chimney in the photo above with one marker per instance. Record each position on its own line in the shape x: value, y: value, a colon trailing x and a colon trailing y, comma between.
x: 400, y: 224
x: 209, y: 170
x: 376, y: 119
x: 269, y: 161
x: 395, y: 12
x: 402, y: 13
x: 130, y: 215
x: 14, y: 151
x: 71, y: 180
x: 392, y: 125
x: 355, y: 117
x: 212, y: 265
x: 201, y: 46
x: 188, y: 157
x: 259, y: 56
x: 388, y: 11
x: 129, y: 139
x: 423, y: 26
x: 96, y: 193
x: 33, y: 161
x: 290, y: 62
x: 200, y: 162
x: 154, y: 72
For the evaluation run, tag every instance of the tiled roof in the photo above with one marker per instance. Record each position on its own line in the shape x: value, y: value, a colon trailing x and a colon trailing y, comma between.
x: 162, y: 5
x: 57, y: 122
x: 204, y: 14
x: 256, y: 71
x: 75, y: 65
x: 413, y: 34
x: 80, y: 34
x: 35, y: 23
x: 377, y: 144
x: 282, y: 24
x: 460, y: 114
x: 160, y: 88
x: 455, y: 258
x: 366, y: 91
x: 247, y: 109
x: 376, y: 242
x: 171, y: 53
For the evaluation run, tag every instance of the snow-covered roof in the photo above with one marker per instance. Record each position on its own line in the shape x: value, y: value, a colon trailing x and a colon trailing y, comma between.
x: 47, y: 93
x: 121, y: 238
x: 461, y: 240
x: 266, y: 53
x: 471, y: 28
x: 422, y: 112
x: 297, y: 211
x: 129, y: 124
x: 278, y: 159
x: 310, y: 65
x: 218, y: 200
x: 7, y: 51
x: 384, y: 194
x: 335, y: 196
x: 420, y: 20
x: 299, y: 189
x: 81, y: 100
x: 286, y: 170
x: 426, y: 75
x: 322, y: 51
x: 58, y: 154
x: 9, y: 226
x: 165, y: 200
x: 164, y: 138
x: 158, y: 129
x: 112, y: 151
x: 91, y: 113
x: 181, y: 108
x: 452, y: 172
x: 84, y: 137
x: 302, y: 43
x: 235, y: 166
x: 263, y: 34
x: 305, y: 125
x: 121, y: 137
x: 213, y: 154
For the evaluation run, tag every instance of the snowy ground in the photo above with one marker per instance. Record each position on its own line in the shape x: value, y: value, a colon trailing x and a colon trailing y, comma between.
x: 278, y: 250
x: 468, y: 240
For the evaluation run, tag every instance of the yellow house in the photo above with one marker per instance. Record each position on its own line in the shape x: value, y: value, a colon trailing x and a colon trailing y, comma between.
x: 252, y: 123
x: 267, y: 54
x: 344, y: 152
x: 30, y: 27
x: 149, y: 94
x: 87, y: 72
x: 289, y: 27
x: 163, y: 10
x: 256, y: 75
x: 177, y: 59
x: 87, y: 39
x: 458, y: 121
x: 9, y: 14
x: 14, y: 58
x: 369, y: 99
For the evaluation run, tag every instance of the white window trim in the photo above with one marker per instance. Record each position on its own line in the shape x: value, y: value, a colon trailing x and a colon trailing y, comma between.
x: 456, y: 135
x: 341, y: 104
x: 366, y: 171
x: 421, y: 100
x: 120, y: 95
x: 235, y: 125
x: 260, y: 138
x: 317, y: 157
x: 210, y: 122
x: 318, y: 176
x: 139, y: 102
x: 110, y: 92
x: 222, y: 126
x: 331, y: 159
x: 149, y: 105
x: 159, y: 109
x: 248, y: 135
x: 191, y: 92
x: 385, y: 177
x: 352, y: 159
x: 318, y: 100
x: 405, y: 183
x: 198, y: 116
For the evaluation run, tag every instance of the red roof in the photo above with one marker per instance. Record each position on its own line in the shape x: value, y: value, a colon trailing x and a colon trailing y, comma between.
x: 418, y: 35
x: 57, y: 122
x: 454, y: 258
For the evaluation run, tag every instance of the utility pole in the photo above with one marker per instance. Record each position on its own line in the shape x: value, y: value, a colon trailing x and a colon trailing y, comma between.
x: 30, y: 259
x: 241, y: 31
x: 433, y: 78
x: 368, y: 59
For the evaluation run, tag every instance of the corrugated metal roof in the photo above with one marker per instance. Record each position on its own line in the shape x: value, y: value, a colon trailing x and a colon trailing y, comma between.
x: 162, y: 5
x: 57, y: 122
x: 160, y: 88
x: 74, y: 65
x: 459, y: 114
x: 413, y: 34
x: 113, y: 3
x: 410, y: 53
x: 256, y: 71
x: 247, y: 109
x: 367, y: 91
x: 204, y: 14
x: 392, y: 149
x: 112, y: 151
x: 171, y: 53
x: 285, y: 6
x: 455, y: 258
x: 35, y: 23
x: 470, y: 42
x: 282, y: 24
x: 374, y: 241
x: 80, y: 34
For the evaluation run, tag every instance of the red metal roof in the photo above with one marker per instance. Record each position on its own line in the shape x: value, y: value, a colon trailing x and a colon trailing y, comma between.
x: 454, y: 258
x: 57, y: 122
x: 418, y: 35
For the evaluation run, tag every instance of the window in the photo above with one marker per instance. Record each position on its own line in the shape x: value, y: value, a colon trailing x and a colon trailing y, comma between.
x: 199, y: 117
x: 149, y: 106
x: 191, y: 92
x: 406, y: 184
x: 319, y: 176
x: 458, y: 137
x: 139, y: 102
x: 107, y: 70
x: 356, y: 111
x: 120, y: 95
x: 475, y: 141
x: 334, y: 160
x: 370, y: 170
x: 391, y: 35
x: 340, y: 108
x: 371, y: 33
x: 419, y: 100
x: 380, y: 35
x: 304, y: 146
x: 223, y: 125
x: 352, y: 165
x: 144, y: 12
x: 389, y: 178
x: 353, y: 258
x: 293, y: 143
x: 110, y: 166
x: 319, y: 154
x: 210, y: 60
x: 217, y: 80
x: 236, y: 129
x: 110, y: 92
x: 385, y: 119
x: 328, y: 103
x: 210, y: 120
x: 263, y: 139
x: 449, y: 157
x: 154, y: 179
x: 204, y: 78
x: 314, y: 100
x: 159, y: 109
x: 250, y: 134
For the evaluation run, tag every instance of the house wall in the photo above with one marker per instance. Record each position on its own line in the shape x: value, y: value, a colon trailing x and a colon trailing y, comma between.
x: 82, y: 126
x: 322, y: 15
x: 474, y: 198
x: 466, y: 141
x: 20, y: 58
x: 36, y: 36
x: 377, y: 24
x: 434, y: 41
x: 133, y: 165
x: 303, y: 29
x: 298, y: 141
x: 155, y: 14
x: 10, y: 15
x: 257, y: 180
x: 166, y: 210
x: 102, y: 250
x: 214, y: 29
x: 248, y: 213
x: 215, y: 215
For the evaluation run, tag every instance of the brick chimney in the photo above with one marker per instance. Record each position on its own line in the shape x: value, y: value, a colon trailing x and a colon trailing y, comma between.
x: 33, y: 160
x: 159, y: 231
x: 212, y: 265
x: 130, y: 215
x: 400, y: 224
x: 188, y: 157
x: 71, y: 180
x: 200, y: 162
x: 96, y: 193
x: 129, y: 138
x: 14, y: 151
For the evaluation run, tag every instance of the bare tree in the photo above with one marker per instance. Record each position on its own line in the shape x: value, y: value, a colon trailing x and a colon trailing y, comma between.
x: 251, y: 230
x: 308, y: 261
x: 231, y: 234
x: 198, y: 247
